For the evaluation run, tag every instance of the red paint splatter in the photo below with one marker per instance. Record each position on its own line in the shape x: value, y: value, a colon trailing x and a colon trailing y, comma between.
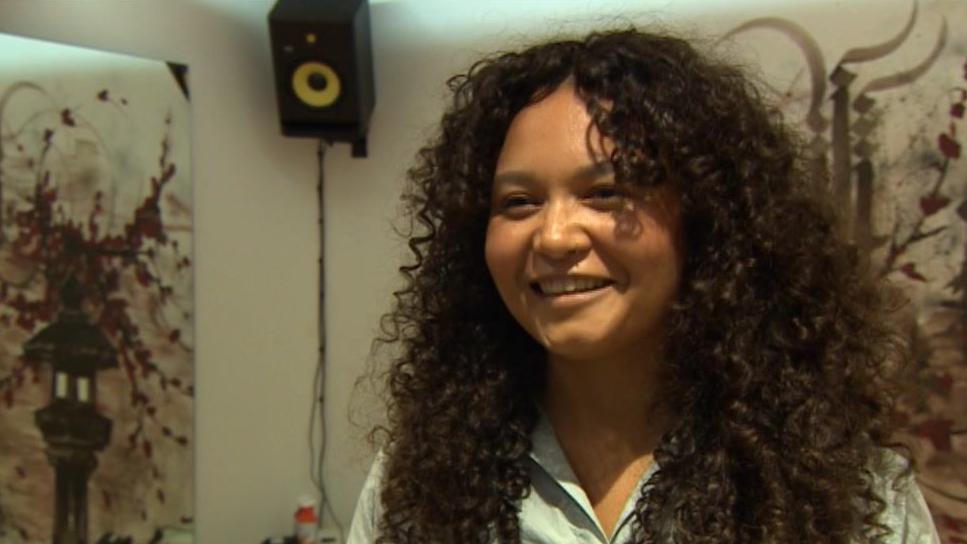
x: 910, y: 270
x: 67, y: 118
x: 937, y: 431
x: 948, y: 146
x: 931, y: 204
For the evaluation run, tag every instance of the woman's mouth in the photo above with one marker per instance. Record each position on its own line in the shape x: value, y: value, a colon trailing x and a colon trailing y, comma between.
x: 568, y: 285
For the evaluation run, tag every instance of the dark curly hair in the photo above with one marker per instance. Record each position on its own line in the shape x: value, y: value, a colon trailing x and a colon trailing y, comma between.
x: 778, y: 354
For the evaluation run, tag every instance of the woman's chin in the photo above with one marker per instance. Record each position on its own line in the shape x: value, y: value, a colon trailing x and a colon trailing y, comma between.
x: 576, y: 347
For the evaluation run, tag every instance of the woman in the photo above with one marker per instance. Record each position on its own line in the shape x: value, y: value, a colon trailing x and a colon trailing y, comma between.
x: 630, y: 319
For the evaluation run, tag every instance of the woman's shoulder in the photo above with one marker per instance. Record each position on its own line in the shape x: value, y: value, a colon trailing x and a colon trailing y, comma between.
x: 363, y: 529
x: 906, y: 513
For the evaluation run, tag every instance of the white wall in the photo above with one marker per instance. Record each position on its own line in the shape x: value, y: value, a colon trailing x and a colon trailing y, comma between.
x: 255, y: 215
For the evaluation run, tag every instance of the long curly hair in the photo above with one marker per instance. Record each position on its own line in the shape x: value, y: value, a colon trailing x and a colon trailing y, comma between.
x: 778, y: 355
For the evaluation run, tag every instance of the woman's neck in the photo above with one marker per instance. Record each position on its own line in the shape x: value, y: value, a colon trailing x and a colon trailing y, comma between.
x: 607, y: 416
x: 617, y: 400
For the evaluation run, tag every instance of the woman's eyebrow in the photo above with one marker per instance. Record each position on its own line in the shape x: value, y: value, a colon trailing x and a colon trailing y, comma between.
x: 593, y: 171
x: 588, y: 172
x: 514, y: 177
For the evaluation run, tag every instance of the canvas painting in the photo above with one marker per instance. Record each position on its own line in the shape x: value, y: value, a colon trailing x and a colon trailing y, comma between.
x: 879, y: 91
x: 96, y: 302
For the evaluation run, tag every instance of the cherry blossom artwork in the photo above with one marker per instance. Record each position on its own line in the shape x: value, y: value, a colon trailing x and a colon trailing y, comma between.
x: 879, y: 91
x: 96, y: 301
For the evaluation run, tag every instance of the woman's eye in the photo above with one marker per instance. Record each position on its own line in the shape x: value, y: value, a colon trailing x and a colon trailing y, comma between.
x: 512, y: 202
x: 604, y: 192
x: 604, y: 196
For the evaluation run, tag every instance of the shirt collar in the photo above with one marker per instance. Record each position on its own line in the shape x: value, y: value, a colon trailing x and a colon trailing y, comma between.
x: 546, y: 452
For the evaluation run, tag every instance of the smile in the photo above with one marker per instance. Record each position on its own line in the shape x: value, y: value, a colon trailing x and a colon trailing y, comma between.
x: 569, y: 285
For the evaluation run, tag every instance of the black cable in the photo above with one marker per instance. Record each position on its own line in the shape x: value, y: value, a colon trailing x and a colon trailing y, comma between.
x: 319, y: 380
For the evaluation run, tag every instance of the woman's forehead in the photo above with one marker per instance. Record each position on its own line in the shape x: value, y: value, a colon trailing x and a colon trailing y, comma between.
x: 558, y: 123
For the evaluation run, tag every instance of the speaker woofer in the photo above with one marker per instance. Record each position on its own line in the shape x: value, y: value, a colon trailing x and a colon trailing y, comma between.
x: 316, y: 84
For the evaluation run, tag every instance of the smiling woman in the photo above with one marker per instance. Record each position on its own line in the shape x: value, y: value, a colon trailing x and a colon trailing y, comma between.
x: 582, y: 287
x: 589, y: 271
x: 629, y: 319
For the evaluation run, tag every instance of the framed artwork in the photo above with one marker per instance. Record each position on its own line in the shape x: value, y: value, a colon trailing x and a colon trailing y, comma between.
x: 879, y: 94
x: 96, y: 302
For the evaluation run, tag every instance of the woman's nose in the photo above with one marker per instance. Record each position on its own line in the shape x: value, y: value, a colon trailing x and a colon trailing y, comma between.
x: 561, y: 233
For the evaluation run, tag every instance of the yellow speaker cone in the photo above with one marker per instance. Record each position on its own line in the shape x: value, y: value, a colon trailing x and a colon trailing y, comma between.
x: 305, y: 84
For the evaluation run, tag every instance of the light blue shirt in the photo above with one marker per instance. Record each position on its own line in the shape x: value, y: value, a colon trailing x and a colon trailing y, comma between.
x: 557, y: 511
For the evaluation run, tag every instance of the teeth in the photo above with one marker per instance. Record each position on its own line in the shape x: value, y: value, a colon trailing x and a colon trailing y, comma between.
x: 570, y: 285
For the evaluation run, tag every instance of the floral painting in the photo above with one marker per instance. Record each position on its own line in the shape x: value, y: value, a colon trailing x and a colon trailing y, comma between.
x: 880, y: 95
x: 96, y: 303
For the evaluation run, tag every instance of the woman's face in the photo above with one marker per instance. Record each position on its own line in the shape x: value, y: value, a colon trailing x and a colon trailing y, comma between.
x: 587, y: 269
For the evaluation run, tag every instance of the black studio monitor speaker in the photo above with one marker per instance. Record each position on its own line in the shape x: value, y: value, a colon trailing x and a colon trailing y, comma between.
x: 323, y: 60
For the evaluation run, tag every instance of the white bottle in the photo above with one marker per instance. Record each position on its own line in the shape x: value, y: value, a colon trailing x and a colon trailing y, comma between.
x: 306, y: 521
